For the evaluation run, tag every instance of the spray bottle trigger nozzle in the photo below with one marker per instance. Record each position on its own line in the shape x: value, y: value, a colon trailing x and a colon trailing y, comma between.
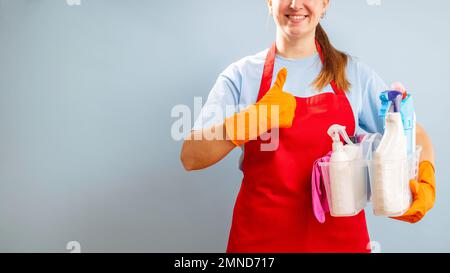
x: 335, y: 130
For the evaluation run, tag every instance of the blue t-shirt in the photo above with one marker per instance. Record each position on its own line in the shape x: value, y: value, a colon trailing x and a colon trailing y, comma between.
x: 238, y: 85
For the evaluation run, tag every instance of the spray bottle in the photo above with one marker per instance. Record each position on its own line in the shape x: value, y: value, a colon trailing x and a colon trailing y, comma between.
x: 391, y: 195
x: 346, y: 180
x: 407, y: 112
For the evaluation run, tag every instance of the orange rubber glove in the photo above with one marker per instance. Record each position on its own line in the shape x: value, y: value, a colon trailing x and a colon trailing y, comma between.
x: 260, y: 117
x: 424, y: 194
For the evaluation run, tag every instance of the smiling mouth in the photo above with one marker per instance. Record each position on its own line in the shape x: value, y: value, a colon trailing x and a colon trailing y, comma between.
x: 297, y: 18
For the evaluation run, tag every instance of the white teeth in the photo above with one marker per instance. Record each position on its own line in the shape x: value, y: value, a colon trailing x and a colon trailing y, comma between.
x: 297, y: 17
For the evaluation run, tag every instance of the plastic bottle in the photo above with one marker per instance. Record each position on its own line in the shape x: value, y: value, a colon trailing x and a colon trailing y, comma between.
x: 345, y: 193
x: 409, y: 123
x: 407, y: 112
x: 391, y: 195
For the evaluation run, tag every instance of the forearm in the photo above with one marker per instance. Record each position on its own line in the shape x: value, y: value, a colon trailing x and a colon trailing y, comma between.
x: 423, y: 140
x: 203, y: 148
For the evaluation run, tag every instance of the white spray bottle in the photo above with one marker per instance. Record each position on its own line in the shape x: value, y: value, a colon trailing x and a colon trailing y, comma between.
x: 343, y: 180
x: 408, y: 117
x: 391, y: 195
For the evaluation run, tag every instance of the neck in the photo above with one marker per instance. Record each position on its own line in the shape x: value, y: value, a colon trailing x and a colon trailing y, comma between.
x: 295, y: 48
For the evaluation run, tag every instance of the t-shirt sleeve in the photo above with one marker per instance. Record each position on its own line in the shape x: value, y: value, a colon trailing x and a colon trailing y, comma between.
x: 222, y: 102
x: 372, y: 86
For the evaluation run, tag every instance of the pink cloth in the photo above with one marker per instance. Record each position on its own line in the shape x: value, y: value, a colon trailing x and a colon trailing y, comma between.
x: 319, y: 197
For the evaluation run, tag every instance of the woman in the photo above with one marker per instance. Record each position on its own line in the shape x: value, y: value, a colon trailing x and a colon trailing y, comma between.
x: 273, y: 211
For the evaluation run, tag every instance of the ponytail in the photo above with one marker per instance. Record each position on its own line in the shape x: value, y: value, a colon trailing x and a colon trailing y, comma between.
x: 334, y: 64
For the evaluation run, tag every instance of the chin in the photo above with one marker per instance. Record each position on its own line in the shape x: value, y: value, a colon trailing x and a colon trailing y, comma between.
x: 298, y: 33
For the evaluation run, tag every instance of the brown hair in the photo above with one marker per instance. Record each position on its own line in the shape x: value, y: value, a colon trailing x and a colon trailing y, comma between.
x: 334, y: 64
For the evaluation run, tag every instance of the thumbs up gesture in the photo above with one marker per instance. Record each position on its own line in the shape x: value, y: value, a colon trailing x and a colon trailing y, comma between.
x: 284, y: 101
x: 276, y: 109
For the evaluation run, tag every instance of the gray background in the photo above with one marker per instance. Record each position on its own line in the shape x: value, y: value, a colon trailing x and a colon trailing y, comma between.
x: 86, y: 93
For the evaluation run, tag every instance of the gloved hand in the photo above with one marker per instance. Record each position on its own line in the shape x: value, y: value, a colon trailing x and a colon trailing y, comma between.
x: 258, y: 118
x: 424, y: 194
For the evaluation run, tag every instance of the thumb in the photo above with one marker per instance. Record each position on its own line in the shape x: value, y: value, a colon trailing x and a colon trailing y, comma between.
x: 281, y: 79
x: 398, y: 86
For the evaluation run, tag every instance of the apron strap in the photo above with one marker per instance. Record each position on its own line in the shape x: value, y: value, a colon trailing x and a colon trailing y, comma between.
x: 269, y: 64
x: 267, y: 75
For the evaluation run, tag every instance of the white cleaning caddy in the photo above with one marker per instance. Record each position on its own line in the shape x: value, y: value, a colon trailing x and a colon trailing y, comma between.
x: 357, y: 178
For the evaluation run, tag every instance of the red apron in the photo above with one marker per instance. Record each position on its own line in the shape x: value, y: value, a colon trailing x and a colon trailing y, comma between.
x: 273, y: 210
